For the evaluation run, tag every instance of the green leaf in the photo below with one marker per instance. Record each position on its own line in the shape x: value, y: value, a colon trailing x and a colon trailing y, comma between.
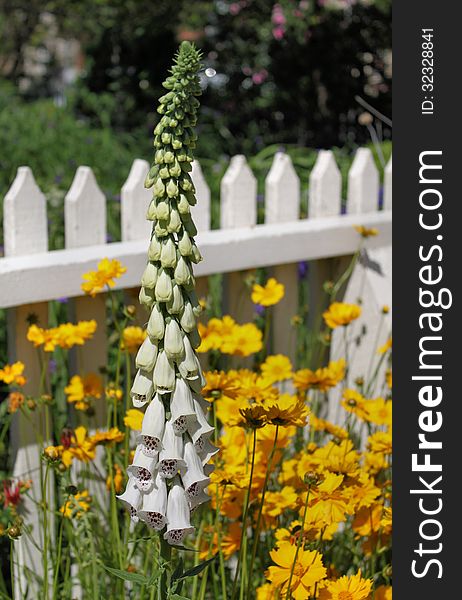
x: 177, y: 597
x: 127, y: 576
x: 198, y: 568
x: 178, y: 572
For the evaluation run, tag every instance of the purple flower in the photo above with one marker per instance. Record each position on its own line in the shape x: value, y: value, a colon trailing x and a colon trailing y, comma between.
x: 52, y: 366
x: 259, y: 309
x: 63, y: 300
x: 381, y: 197
x: 303, y: 268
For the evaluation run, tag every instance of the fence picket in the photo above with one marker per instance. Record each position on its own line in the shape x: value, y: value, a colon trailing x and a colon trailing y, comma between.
x: 85, y: 225
x: 282, y: 204
x: 387, y: 186
x: 363, y: 183
x: 25, y: 232
x: 134, y: 199
x: 324, y: 193
x: 238, y: 209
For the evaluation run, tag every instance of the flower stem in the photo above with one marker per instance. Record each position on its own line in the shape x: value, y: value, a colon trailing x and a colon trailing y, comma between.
x: 299, y: 543
x: 165, y: 557
x: 260, y: 511
x: 244, y: 516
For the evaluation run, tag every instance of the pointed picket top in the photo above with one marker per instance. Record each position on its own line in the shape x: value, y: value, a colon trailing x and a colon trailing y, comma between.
x: 387, y: 186
x: 324, y: 192
x: 282, y: 191
x: 84, y: 211
x: 200, y: 212
x: 363, y: 183
x: 25, y: 216
x: 238, y: 195
x: 134, y: 202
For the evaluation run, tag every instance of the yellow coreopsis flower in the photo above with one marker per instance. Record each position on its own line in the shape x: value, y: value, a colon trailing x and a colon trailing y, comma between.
x: 267, y: 591
x: 111, y: 436
x: 269, y: 294
x: 219, y: 385
x: 328, y: 427
x: 80, y: 389
x: 341, y: 314
x: 81, y: 447
x: 15, y: 401
x: 354, y: 402
x: 306, y: 573
x: 13, y: 374
x: 118, y: 480
x: 368, y: 519
x: 76, y: 505
x: 244, y: 340
x: 354, y: 587
x: 378, y: 411
x: 328, y: 502
x: 42, y: 337
x: 278, y: 502
x: 69, y: 335
x: 276, y: 368
x: 380, y: 442
x: 338, y: 458
x: 366, y: 232
x: 287, y: 410
x: 132, y: 338
x: 133, y: 419
x: 108, y: 270
x: 322, y: 379
x: 383, y: 592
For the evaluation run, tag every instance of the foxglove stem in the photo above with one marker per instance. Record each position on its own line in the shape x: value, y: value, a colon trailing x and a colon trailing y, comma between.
x: 260, y: 511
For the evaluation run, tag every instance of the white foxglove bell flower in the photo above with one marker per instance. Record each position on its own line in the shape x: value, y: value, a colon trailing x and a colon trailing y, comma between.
x: 200, y: 428
x: 171, y: 456
x: 156, y: 324
x: 189, y: 367
x: 153, y: 510
x: 178, y: 515
x: 168, y: 254
x: 163, y: 288
x: 149, y: 278
x: 183, y: 413
x: 132, y: 499
x: 188, y: 320
x: 143, y: 469
x: 182, y: 273
x: 173, y: 340
x: 142, y: 388
x: 194, y: 479
x: 175, y: 306
x: 164, y: 374
x: 205, y: 449
x: 146, y: 355
x: 152, y: 429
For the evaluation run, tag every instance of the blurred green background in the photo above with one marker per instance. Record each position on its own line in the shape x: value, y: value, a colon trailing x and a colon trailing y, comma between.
x: 79, y: 82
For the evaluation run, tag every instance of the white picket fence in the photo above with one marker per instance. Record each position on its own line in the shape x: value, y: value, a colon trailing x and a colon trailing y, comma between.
x: 31, y: 275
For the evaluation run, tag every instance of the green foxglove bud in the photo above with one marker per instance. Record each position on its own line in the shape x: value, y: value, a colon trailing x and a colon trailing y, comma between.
x: 149, y: 278
x: 169, y: 157
x: 160, y: 229
x: 172, y: 189
x: 146, y: 297
x: 175, y: 306
x: 147, y: 355
x: 163, y: 210
x: 174, y: 223
x: 184, y: 245
x: 163, y: 289
x: 188, y: 320
x: 196, y: 255
x: 168, y: 254
x: 166, y: 138
x: 159, y: 157
x: 182, y: 273
x: 159, y: 188
x: 175, y: 170
x: 197, y: 308
x: 183, y: 205
x: 164, y: 374
x: 151, y: 214
x: 164, y: 172
x: 155, y: 249
x: 189, y: 366
x: 173, y: 340
x: 156, y: 324
x: 151, y: 176
x: 177, y: 144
